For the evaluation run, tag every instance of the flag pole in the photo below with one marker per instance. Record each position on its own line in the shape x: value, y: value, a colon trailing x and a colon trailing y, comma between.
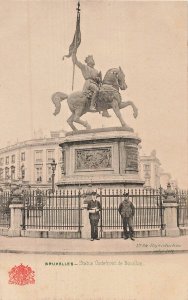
x: 78, y: 13
x: 73, y: 76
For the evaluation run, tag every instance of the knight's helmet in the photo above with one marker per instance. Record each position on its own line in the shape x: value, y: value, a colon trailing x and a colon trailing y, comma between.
x: 89, y: 59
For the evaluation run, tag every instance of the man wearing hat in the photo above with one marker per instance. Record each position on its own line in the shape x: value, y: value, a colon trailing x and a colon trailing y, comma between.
x: 94, y: 208
x: 127, y: 210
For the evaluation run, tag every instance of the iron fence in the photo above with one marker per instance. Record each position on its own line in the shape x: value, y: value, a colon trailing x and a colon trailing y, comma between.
x: 4, y: 209
x: 62, y: 210
x: 58, y: 211
x: 182, y: 199
x: 148, y: 209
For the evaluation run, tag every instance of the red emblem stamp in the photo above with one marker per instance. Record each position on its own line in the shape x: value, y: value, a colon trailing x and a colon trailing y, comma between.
x: 21, y: 275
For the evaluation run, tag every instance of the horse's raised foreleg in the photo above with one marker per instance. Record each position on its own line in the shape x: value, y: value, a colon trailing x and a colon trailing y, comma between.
x: 76, y: 119
x: 70, y: 122
x: 117, y: 112
x: 127, y: 103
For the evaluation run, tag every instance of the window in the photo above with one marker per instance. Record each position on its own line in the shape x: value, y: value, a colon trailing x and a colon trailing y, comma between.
x: 38, y: 174
x: 38, y: 156
x: 156, y: 170
x: 22, y: 172
x: 146, y: 167
x: 1, y: 161
x: 13, y: 159
x: 1, y: 174
x: 147, y: 175
x: 50, y: 155
x: 147, y: 182
x: 7, y: 160
x: 60, y: 154
x: 49, y: 173
x: 12, y: 172
x: 23, y: 156
x: 6, y: 173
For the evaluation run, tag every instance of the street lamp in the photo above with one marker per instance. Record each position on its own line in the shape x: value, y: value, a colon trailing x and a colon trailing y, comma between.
x: 53, y: 165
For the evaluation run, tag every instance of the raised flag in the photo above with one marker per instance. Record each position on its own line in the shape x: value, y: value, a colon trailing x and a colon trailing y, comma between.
x: 77, y: 36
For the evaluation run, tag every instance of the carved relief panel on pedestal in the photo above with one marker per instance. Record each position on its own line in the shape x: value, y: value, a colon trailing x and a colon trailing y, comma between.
x: 93, y: 158
x: 132, y: 159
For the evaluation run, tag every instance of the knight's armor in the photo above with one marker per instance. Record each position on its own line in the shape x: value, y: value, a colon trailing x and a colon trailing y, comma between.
x: 92, y: 80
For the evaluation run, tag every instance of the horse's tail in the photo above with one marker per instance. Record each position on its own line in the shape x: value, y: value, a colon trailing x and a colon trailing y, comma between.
x: 56, y: 99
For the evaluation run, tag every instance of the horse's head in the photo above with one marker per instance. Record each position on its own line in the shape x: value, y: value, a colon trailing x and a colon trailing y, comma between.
x: 121, y: 79
x: 115, y: 77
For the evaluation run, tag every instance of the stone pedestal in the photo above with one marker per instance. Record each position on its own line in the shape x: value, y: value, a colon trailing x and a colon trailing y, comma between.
x: 86, y: 229
x: 104, y: 157
x: 170, y: 219
x: 170, y: 212
x: 16, y: 219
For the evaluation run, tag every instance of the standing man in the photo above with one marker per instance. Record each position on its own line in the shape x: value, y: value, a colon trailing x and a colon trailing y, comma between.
x: 127, y: 210
x: 94, y: 208
x: 93, y: 79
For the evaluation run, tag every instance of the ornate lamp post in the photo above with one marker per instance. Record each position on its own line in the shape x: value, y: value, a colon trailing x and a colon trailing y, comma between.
x: 53, y: 165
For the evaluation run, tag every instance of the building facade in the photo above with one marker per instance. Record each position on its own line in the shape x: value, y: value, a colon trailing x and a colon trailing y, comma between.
x: 150, y: 170
x: 30, y: 161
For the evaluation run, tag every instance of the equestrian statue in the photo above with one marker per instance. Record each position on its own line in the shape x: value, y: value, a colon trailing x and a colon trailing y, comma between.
x: 97, y: 95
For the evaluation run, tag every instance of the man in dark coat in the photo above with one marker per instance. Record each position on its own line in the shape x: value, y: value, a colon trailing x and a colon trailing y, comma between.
x: 94, y: 208
x: 127, y: 210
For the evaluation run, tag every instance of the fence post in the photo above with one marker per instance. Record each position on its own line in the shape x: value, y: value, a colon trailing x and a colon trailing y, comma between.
x: 161, y: 210
x: 101, y: 221
x: 16, y: 214
x: 79, y: 213
x: 170, y: 206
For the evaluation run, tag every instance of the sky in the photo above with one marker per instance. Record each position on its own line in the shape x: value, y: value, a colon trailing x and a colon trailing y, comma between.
x: 147, y: 39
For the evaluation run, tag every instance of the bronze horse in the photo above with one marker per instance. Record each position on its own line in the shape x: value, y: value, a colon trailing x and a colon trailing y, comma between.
x: 108, y: 97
